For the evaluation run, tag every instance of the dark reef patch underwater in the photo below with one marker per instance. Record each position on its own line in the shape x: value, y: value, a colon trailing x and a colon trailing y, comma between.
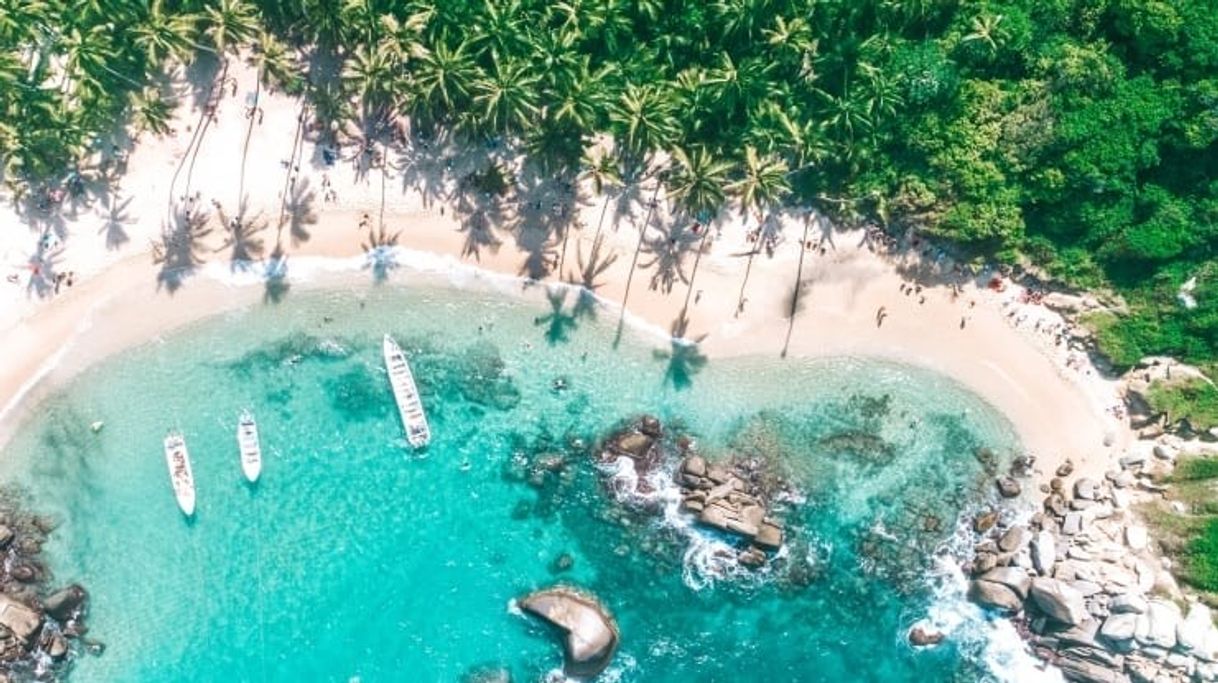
x: 354, y: 558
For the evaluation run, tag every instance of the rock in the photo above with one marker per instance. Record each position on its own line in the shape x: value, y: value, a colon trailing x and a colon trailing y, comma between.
x: 695, y: 465
x: 1119, y: 628
x: 1086, y: 489
x: 634, y: 444
x: 1059, y: 601
x: 1135, y: 537
x: 994, y: 596
x: 20, y: 620
x: 1087, y: 588
x: 650, y: 426
x: 591, y: 634
x: 1132, y: 460
x: 768, y: 537
x: 984, y: 562
x: 1191, y: 633
x: 23, y: 572
x: 1013, y: 539
x: 1161, y: 620
x: 1072, y: 524
x: 1123, y: 480
x: 57, y: 648
x: 1165, y: 452
x: 1055, y: 504
x: 1008, y: 487
x: 487, y: 674
x: 1044, y: 552
x: 923, y: 636
x: 562, y: 563
x: 1065, y: 469
x: 6, y: 536
x: 752, y: 557
x: 1128, y: 603
x: 1082, y: 671
x: 985, y: 521
x: 1015, y: 579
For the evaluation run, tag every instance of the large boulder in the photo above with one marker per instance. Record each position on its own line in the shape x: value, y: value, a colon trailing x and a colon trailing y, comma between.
x: 1012, y: 577
x: 1059, y: 601
x: 1119, y: 628
x: 64, y: 603
x: 1044, y: 552
x: 1158, y: 626
x: 20, y: 620
x: 1192, y: 632
x: 994, y: 596
x: 591, y: 634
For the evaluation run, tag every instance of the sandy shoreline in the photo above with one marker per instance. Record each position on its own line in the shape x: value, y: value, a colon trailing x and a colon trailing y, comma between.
x: 115, y: 302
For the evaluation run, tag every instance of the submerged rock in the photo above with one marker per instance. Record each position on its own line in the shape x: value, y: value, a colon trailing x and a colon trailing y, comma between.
x: 923, y: 636
x: 591, y: 634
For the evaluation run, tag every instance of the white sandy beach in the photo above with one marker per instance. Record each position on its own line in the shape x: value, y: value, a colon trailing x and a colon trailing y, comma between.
x: 1061, y: 409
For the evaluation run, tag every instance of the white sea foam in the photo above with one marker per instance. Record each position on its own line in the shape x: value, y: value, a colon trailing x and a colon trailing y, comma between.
x: 992, y: 641
x: 709, y: 558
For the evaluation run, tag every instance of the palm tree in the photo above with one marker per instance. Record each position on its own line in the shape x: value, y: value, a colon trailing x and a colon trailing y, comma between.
x: 163, y: 36
x: 698, y: 180
x: 506, y: 96
x: 764, y: 184
x: 985, y: 30
x: 230, y: 24
x: 441, y: 81
x: 152, y: 112
x: 644, y: 120
x: 651, y: 207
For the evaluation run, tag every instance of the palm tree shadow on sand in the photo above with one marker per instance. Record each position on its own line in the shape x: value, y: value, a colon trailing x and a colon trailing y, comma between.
x: 299, y: 213
x: 241, y: 238
x: 558, y: 324
x: 180, y: 249
x: 116, y: 218
x: 590, y: 270
x: 684, y: 359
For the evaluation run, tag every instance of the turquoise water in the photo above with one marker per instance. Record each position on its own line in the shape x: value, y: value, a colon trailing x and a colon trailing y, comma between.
x: 353, y: 558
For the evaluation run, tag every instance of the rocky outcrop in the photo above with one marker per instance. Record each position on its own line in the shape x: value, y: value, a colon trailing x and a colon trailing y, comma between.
x: 36, y: 632
x: 1081, y: 575
x: 723, y: 498
x: 591, y: 635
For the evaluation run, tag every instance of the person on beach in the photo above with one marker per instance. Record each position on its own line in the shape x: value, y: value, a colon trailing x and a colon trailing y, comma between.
x: 880, y: 315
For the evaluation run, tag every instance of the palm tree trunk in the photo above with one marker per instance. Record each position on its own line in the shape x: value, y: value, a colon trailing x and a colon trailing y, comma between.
x: 651, y: 206
x: 245, y: 148
x: 694, y: 273
x: 296, y: 142
x: 799, y: 274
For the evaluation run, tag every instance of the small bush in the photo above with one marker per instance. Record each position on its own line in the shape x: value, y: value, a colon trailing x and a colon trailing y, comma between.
x: 1195, y: 400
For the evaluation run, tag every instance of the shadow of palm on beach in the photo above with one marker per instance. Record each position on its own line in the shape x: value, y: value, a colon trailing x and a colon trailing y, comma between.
x: 299, y: 212
x: 241, y: 237
x: 115, y: 220
x: 180, y: 249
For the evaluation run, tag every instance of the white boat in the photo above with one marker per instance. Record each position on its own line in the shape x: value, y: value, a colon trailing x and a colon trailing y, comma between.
x: 406, y: 394
x: 251, y: 449
x: 180, y: 474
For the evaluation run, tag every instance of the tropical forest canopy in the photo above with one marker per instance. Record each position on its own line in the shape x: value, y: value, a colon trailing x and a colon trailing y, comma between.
x: 1077, y: 135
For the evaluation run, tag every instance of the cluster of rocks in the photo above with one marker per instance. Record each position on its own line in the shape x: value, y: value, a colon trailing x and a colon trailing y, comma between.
x: 731, y: 497
x: 723, y: 498
x: 641, y: 442
x: 1081, y: 577
x: 590, y: 635
x: 37, y: 626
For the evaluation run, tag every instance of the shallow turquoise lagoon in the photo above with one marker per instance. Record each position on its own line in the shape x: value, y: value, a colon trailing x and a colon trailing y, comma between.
x: 355, y: 559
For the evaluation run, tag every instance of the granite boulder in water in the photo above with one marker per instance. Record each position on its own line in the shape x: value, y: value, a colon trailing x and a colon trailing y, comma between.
x: 591, y: 634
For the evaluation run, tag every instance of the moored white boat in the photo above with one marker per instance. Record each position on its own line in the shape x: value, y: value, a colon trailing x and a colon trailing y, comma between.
x: 180, y: 474
x: 406, y: 394
x: 251, y: 449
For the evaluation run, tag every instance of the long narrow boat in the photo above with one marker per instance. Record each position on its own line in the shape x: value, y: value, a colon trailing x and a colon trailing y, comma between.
x: 406, y: 394
x: 251, y: 449
x: 180, y: 474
